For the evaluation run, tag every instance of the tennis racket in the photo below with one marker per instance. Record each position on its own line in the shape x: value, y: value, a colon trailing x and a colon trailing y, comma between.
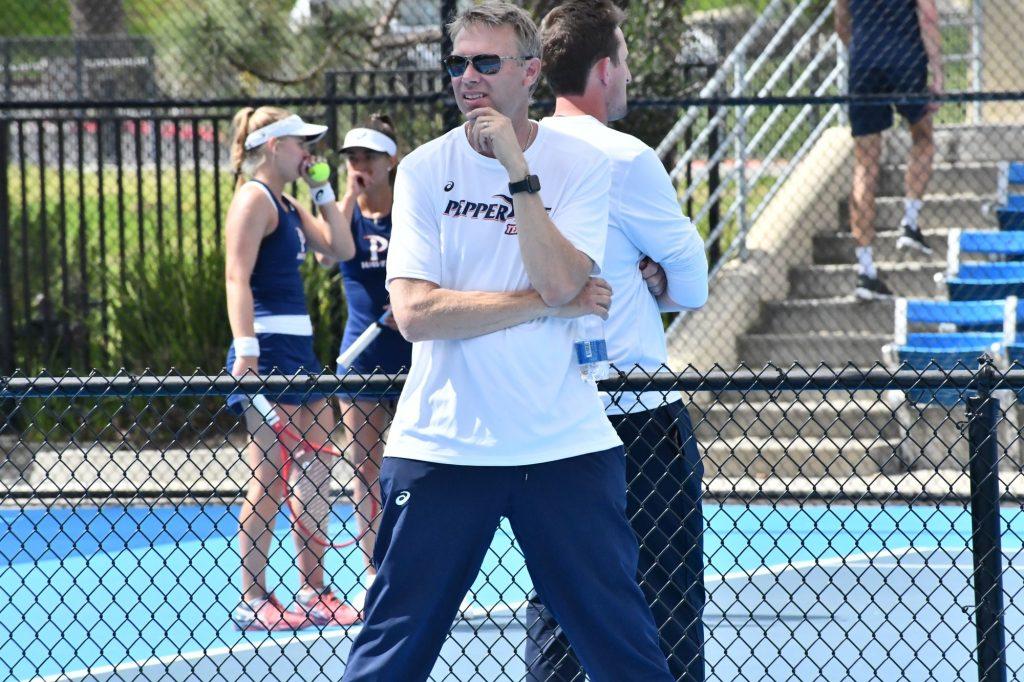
x: 315, y: 499
x: 363, y: 341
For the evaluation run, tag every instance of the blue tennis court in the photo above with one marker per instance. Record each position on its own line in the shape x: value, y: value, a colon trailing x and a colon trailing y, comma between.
x: 805, y: 592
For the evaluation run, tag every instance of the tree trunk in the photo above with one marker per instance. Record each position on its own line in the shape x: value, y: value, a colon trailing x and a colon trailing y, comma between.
x: 92, y: 18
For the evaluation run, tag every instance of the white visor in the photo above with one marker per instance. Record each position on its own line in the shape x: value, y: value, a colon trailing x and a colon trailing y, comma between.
x: 367, y: 138
x: 286, y: 127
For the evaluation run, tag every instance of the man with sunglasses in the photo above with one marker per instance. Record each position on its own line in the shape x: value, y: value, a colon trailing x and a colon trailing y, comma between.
x: 649, y: 238
x: 498, y: 227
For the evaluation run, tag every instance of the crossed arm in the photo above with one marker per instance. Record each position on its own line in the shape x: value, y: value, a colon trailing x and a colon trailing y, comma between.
x: 558, y: 272
x: 425, y: 311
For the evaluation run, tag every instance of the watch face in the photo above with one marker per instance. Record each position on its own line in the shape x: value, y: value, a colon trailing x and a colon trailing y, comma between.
x: 531, y: 183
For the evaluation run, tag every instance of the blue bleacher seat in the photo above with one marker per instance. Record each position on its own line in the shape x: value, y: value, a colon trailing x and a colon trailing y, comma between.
x: 986, y: 242
x: 1015, y: 173
x: 1010, y: 200
x: 1015, y: 353
x: 983, y: 289
x: 1010, y: 219
x: 949, y: 349
x: 1010, y: 179
x: 985, y: 280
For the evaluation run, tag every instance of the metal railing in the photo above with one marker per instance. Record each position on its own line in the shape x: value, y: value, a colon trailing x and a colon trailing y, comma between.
x: 797, y: 49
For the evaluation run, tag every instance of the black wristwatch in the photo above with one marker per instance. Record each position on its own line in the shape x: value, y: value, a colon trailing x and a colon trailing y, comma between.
x: 531, y: 184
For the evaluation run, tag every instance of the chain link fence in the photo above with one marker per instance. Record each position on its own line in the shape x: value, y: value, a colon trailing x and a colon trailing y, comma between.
x: 108, y: 50
x: 750, y: 113
x: 854, y: 525
x: 787, y: 167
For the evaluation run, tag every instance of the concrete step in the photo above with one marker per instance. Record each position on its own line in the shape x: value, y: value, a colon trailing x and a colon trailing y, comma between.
x: 839, y: 417
x: 845, y: 314
x: 939, y: 211
x: 947, y: 178
x: 836, y: 349
x: 838, y: 247
x: 838, y: 281
x: 764, y: 457
x: 961, y: 144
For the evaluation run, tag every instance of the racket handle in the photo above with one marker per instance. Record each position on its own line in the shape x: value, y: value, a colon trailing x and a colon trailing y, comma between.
x: 265, y: 409
x: 346, y: 359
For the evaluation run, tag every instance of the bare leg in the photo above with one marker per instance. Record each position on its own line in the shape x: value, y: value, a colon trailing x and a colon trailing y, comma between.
x: 867, y: 151
x: 366, y: 421
x: 919, y: 163
x: 259, y: 509
x: 311, y: 420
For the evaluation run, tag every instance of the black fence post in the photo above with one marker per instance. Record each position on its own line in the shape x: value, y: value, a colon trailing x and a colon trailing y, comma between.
x: 449, y: 8
x: 331, y: 119
x: 982, y: 420
x: 6, y: 286
x: 714, y: 180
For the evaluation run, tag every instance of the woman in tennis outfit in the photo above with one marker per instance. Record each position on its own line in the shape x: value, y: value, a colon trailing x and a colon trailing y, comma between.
x: 370, y: 158
x: 267, y: 233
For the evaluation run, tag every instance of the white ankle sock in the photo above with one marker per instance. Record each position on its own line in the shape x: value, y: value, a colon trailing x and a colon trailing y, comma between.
x: 865, y: 262
x: 911, y: 209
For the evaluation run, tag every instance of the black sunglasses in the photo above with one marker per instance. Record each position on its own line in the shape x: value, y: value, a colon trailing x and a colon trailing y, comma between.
x: 487, y: 64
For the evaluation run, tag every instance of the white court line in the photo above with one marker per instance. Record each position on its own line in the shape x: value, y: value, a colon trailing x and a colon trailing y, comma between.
x: 474, y: 613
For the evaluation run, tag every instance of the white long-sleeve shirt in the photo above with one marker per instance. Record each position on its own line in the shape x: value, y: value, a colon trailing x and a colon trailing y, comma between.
x: 644, y: 218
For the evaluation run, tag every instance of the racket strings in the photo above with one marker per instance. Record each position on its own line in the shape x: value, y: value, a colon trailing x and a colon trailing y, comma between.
x: 311, y: 488
x: 316, y: 499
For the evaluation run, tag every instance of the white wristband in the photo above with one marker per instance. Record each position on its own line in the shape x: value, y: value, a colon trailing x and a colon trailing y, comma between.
x: 323, y: 194
x: 247, y: 347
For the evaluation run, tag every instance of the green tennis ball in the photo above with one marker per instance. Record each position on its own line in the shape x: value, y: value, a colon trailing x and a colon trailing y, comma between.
x: 319, y: 172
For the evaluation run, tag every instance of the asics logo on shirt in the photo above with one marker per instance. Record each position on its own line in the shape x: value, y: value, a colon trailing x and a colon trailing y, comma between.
x: 301, y: 255
x: 402, y: 498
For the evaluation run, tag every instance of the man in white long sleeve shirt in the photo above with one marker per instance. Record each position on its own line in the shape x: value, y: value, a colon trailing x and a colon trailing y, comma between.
x: 648, y: 239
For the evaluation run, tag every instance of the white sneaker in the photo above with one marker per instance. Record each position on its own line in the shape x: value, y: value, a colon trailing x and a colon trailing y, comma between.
x: 359, y: 601
x: 911, y: 238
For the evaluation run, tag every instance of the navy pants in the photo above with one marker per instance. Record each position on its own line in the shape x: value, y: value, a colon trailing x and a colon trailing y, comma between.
x: 664, y: 473
x: 569, y: 517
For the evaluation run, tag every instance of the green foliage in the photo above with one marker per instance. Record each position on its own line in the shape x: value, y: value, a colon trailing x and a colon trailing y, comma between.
x: 171, y: 313
x: 158, y: 266
x: 327, y: 309
x: 38, y: 18
x: 252, y: 42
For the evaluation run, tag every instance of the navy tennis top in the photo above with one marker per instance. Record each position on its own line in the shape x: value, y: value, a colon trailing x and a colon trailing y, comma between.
x: 363, y: 276
x: 276, y: 283
x: 886, y: 32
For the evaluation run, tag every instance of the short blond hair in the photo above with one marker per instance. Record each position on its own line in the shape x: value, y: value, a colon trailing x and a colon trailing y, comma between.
x: 495, y: 13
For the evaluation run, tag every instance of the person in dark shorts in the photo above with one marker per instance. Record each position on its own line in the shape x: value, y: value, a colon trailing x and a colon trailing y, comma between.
x: 266, y: 236
x: 371, y: 154
x: 894, y: 47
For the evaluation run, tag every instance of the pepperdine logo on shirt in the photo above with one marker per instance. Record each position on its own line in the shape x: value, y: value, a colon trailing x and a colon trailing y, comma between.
x: 378, y: 247
x: 502, y: 212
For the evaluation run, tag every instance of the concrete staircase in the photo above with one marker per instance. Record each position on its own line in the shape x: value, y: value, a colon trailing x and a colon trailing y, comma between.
x: 820, y: 321
x: 756, y: 440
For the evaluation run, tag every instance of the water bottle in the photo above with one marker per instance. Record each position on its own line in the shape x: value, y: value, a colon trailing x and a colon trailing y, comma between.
x: 591, y: 349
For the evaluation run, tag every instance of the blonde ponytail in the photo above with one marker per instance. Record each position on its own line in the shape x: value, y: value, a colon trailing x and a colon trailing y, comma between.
x: 244, y: 163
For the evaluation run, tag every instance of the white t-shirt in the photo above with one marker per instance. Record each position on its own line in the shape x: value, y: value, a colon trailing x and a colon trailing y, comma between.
x: 514, y: 396
x: 644, y: 218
